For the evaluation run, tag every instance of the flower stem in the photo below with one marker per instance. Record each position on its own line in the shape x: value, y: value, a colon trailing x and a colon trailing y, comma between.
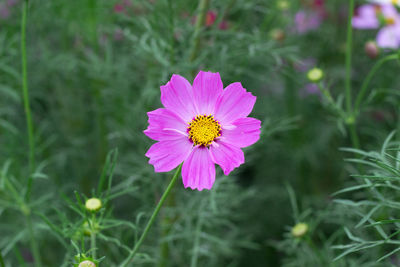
x: 368, y: 79
x: 1, y: 261
x: 153, y: 217
x: 25, y: 88
x: 29, y: 124
x: 201, y: 17
x: 349, y: 44
x: 93, y: 236
x: 34, y: 247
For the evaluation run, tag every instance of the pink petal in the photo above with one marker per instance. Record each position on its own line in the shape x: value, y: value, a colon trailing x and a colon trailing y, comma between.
x: 167, y: 155
x: 198, y: 170
x: 389, y: 11
x: 177, y: 96
x: 366, y: 18
x: 165, y: 125
x: 246, y: 132
x: 388, y: 37
x: 234, y: 103
x: 207, y: 87
x: 227, y: 156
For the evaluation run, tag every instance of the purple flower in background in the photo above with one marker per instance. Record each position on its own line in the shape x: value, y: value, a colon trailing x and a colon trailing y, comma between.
x: 201, y: 125
x: 376, y: 16
x: 306, y: 21
x: 4, y: 11
x: 310, y: 18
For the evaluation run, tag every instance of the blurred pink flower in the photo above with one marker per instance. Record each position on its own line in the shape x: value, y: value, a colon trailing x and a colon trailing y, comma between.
x: 119, y: 8
x: 376, y: 16
x: 307, y: 21
x: 211, y: 16
x: 11, y: 3
x: 201, y: 125
x: 224, y: 25
x: 4, y: 11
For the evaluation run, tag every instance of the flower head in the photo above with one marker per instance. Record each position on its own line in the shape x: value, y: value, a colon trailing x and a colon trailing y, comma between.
x: 87, y: 263
x: 299, y: 229
x: 376, y: 16
x: 315, y: 75
x: 371, y: 49
x: 201, y: 125
x: 93, y: 204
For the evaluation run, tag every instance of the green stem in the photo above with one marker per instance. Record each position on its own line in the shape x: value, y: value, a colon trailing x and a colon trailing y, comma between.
x: 93, y: 244
x: 25, y: 94
x: 29, y: 124
x: 354, y: 137
x: 368, y: 79
x: 25, y: 87
x: 153, y: 217
x: 1, y: 261
x: 34, y: 247
x: 93, y: 247
x: 196, y: 244
x: 201, y: 16
x: 349, y: 44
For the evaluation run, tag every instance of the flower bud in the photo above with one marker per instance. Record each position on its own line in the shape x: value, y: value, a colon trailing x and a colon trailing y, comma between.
x: 93, y: 204
x: 283, y: 5
x: 315, y: 75
x: 87, y: 264
x: 299, y: 229
x: 278, y: 35
x: 371, y: 49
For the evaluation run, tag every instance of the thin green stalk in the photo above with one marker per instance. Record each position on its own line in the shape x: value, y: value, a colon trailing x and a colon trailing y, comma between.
x: 93, y: 243
x: 34, y: 247
x: 196, y: 244
x: 1, y: 261
x: 349, y: 45
x: 172, y: 33
x: 201, y: 17
x: 93, y: 247
x: 29, y: 124
x: 153, y: 217
x: 369, y: 77
x: 354, y: 137
x: 25, y: 94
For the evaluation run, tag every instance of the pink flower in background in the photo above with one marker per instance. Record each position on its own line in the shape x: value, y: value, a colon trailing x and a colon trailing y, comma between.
x: 384, y: 16
x: 306, y: 21
x: 386, y: 2
x: 4, y: 11
x: 311, y: 17
x: 223, y: 25
x: 201, y: 125
x: 119, y: 8
x: 211, y: 16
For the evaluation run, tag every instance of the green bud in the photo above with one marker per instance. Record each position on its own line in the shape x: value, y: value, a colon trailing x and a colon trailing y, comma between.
x: 299, y: 229
x: 315, y: 75
x: 93, y: 204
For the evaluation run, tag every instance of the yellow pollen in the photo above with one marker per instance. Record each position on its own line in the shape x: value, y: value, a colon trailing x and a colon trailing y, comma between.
x: 390, y: 21
x: 203, y: 129
x: 395, y: 2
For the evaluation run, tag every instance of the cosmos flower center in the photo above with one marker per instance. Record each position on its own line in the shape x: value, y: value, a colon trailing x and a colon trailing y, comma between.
x: 390, y: 21
x: 203, y: 129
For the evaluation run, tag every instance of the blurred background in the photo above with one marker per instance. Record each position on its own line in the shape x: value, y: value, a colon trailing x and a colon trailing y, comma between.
x: 94, y: 71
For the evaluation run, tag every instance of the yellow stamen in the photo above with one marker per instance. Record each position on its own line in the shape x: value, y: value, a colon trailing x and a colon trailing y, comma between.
x: 203, y: 129
x: 390, y: 21
x: 395, y: 2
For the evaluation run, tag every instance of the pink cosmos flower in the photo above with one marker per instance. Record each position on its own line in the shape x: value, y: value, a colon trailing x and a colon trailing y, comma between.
x: 201, y: 125
x: 307, y: 21
x: 372, y: 16
x: 211, y: 16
